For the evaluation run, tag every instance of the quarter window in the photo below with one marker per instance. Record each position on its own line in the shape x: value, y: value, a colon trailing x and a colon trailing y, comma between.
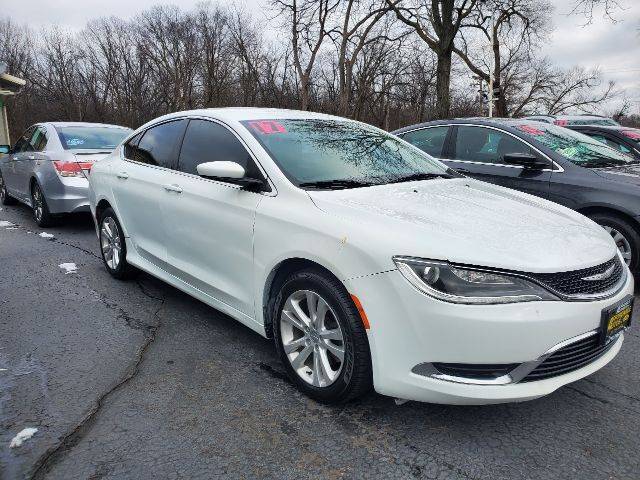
x: 39, y: 140
x: 207, y: 141
x: 158, y: 145
x: 430, y: 140
x: 486, y: 145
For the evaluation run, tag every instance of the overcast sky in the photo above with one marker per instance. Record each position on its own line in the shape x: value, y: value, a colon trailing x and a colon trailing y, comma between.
x: 613, y: 47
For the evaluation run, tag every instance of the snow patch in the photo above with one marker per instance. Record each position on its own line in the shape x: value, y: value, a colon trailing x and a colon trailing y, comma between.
x: 68, y: 268
x: 45, y: 235
x: 25, y: 434
x: 4, y: 223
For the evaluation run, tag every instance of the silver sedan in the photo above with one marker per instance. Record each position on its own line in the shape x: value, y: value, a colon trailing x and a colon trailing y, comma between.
x: 49, y: 166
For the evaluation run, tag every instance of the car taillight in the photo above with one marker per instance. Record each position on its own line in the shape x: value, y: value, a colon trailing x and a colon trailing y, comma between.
x: 69, y: 169
x: 561, y: 123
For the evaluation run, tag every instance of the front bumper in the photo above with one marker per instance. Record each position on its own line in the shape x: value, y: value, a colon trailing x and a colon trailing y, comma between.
x: 409, y: 328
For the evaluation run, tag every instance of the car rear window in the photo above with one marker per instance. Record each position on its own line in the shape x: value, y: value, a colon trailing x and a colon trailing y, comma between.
x: 91, y: 138
x: 574, y: 146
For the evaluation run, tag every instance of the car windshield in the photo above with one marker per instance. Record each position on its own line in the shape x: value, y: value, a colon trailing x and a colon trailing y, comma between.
x: 90, y: 137
x: 334, y: 154
x: 574, y: 146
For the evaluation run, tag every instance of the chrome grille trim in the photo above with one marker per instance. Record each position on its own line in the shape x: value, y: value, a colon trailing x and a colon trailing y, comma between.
x: 522, y: 371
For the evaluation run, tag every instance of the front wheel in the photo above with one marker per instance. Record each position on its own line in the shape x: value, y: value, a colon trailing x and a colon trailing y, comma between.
x: 625, y: 236
x: 320, y: 338
x: 113, y: 247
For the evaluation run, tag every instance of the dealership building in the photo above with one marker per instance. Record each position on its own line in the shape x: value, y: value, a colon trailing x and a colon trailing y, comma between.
x: 9, y: 85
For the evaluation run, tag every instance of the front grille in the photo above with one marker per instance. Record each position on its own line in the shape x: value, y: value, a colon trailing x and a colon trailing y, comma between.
x: 475, y: 371
x: 569, y: 358
x: 572, y: 283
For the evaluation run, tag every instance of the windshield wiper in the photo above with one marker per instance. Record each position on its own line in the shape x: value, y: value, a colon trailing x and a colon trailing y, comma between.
x: 336, y: 184
x: 420, y: 176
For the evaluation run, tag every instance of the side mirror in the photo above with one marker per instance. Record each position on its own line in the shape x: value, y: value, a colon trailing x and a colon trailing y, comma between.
x: 525, y: 160
x: 229, y: 172
x: 5, y: 149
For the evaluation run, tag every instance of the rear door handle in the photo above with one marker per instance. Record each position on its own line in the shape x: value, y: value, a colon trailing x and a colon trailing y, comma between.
x: 123, y: 175
x: 463, y: 171
x: 172, y: 188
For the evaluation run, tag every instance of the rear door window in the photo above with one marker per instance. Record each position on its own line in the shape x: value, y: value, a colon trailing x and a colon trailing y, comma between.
x: 486, y: 145
x: 24, y: 142
x: 207, y: 141
x: 158, y: 145
x: 430, y: 140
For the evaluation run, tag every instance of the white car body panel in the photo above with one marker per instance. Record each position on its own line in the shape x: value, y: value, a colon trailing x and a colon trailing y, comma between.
x: 221, y: 244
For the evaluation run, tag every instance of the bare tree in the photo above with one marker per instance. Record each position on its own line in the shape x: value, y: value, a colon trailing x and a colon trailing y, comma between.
x: 437, y: 23
x: 308, y: 21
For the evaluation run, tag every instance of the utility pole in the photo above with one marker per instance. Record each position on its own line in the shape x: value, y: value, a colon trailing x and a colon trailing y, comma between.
x: 493, y: 67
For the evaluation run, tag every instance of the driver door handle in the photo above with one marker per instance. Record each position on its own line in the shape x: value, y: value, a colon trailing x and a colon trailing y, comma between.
x: 172, y: 188
x: 122, y: 175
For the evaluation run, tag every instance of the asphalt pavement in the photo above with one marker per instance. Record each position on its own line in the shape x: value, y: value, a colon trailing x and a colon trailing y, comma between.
x: 137, y: 380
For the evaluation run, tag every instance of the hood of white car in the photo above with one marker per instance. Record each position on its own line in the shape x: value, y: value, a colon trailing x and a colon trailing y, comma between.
x: 469, y: 222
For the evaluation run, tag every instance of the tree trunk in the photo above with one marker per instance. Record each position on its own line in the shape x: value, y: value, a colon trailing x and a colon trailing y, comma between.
x: 443, y: 81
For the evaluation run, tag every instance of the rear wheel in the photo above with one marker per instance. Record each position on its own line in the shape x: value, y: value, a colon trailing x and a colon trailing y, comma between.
x: 625, y: 236
x: 41, y: 212
x: 5, y: 198
x: 320, y: 338
x: 113, y: 247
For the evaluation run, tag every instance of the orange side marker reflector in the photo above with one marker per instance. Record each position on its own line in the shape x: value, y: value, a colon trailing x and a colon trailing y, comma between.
x: 363, y: 315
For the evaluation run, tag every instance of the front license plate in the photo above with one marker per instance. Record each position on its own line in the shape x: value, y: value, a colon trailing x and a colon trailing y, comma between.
x: 616, y: 318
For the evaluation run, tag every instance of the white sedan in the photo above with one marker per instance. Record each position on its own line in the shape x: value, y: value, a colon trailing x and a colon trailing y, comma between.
x: 370, y: 263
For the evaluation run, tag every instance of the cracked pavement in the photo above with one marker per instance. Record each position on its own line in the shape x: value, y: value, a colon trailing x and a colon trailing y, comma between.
x: 138, y: 380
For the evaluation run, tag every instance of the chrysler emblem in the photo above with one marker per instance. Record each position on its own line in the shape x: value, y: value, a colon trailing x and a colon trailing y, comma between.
x: 600, y: 276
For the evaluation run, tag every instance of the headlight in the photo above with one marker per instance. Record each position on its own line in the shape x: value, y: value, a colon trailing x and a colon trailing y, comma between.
x: 464, y: 285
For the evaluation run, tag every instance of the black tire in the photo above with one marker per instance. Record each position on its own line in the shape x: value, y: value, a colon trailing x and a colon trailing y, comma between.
x: 627, y: 230
x: 41, y: 213
x: 355, y: 378
x: 5, y: 198
x: 123, y: 270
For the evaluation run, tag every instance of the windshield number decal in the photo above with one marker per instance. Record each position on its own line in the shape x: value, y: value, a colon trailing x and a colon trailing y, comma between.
x: 530, y: 130
x: 267, y: 127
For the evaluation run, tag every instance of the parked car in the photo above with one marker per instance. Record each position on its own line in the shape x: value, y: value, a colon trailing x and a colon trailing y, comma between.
x: 570, y: 120
x: 48, y: 166
x: 367, y: 261
x: 623, y: 139
x: 551, y: 162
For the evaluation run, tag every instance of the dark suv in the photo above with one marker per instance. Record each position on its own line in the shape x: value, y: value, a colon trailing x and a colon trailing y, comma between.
x: 624, y: 139
x: 546, y: 160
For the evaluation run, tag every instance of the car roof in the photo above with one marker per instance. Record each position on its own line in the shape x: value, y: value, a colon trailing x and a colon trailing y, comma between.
x: 82, y: 124
x: 483, y: 121
x: 250, y: 113
x: 611, y: 128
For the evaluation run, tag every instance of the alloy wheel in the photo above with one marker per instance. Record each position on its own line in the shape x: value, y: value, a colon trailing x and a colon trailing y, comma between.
x: 312, y: 338
x: 621, y: 241
x: 110, y: 243
x: 38, y: 203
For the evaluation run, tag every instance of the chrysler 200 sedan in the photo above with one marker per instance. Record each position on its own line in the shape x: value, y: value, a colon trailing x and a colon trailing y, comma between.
x: 47, y: 169
x: 369, y: 263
